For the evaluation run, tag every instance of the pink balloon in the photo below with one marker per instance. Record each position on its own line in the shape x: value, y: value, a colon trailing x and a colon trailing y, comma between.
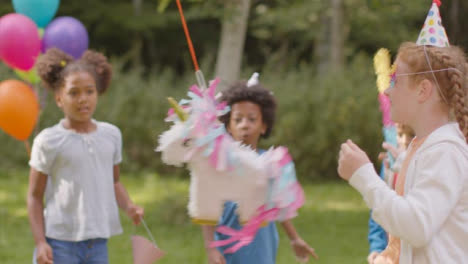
x: 19, y: 41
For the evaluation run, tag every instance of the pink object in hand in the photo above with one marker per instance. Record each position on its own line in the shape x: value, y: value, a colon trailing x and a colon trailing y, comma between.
x: 145, y: 252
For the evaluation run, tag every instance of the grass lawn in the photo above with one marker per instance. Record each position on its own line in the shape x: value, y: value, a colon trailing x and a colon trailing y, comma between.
x: 333, y: 221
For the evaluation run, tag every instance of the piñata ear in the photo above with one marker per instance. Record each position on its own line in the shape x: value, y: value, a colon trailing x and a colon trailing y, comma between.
x: 253, y: 80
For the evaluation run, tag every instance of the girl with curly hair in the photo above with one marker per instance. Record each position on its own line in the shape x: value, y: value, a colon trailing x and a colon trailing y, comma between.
x: 74, y: 188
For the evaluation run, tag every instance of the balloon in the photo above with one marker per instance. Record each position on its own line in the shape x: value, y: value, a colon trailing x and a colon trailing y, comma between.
x: 1, y: 54
x: 41, y: 32
x: 19, y: 109
x: 67, y: 34
x: 29, y: 76
x: 19, y: 41
x: 40, y: 11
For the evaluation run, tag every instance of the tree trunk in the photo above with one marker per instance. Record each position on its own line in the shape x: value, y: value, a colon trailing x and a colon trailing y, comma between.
x: 323, y: 44
x: 336, y: 51
x: 454, y: 21
x: 135, y: 51
x: 137, y: 7
x: 231, y: 47
x: 329, y: 52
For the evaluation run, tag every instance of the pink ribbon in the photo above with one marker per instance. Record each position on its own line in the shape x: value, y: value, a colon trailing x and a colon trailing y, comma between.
x: 247, y: 234
x: 215, y: 153
x: 221, y: 105
x: 170, y: 112
x: 196, y: 91
x: 290, y: 210
x: 298, y: 201
x: 385, y: 106
x: 286, y: 157
x: 212, y: 88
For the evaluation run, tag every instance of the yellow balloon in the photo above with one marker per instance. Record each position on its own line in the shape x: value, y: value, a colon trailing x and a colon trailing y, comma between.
x: 29, y: 76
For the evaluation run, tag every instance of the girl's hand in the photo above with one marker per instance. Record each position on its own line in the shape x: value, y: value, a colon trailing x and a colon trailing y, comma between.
x: 44, y: 254
x: 135, y: 213
x: 350, y: 159
x: 302, y: 250
x: 383, y: 156
x: 372, y: 256
x: 389, y: 148
x: 382, y: 260
x: 215, y: 257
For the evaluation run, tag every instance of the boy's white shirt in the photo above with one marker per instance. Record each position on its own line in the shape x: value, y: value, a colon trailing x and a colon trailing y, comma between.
x: 80, y: 201
x: 432, y: 217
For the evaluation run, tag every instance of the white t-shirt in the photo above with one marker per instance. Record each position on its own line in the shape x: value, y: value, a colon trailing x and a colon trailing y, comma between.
x: 80, y: 201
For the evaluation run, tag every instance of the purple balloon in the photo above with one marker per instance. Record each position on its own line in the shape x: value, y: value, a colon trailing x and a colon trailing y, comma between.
x: 67, y: 34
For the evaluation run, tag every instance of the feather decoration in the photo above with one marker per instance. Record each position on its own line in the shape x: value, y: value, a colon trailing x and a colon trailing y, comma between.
x: 385, y: 78
x: 382, y: 69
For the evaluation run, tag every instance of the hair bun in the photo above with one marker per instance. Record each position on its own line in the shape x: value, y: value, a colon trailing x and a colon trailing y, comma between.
x: 50, y: 67
x: 101, y: 66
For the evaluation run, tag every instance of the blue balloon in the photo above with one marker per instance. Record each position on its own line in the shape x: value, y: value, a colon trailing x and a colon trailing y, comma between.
x: 67, y: 34
x: 40, y: 11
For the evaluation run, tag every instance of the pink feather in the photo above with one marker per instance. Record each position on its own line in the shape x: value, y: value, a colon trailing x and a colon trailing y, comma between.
x: 385, y: 106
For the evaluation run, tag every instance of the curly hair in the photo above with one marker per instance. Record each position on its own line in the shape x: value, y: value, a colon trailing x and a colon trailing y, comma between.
x: 257, y: 94
x: 453, y: 83
x: 55, y: 65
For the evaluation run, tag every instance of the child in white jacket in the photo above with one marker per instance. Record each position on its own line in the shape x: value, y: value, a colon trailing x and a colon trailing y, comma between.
x: 428, y: 212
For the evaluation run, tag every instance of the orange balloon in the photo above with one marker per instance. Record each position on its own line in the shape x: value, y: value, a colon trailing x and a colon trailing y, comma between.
x: 19, y: 109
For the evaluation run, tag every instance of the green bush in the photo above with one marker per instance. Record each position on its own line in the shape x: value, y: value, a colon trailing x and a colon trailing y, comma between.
x: 315, y: 115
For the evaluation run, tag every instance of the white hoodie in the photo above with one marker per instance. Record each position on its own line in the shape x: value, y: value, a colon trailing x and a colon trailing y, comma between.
x: 431, y: 218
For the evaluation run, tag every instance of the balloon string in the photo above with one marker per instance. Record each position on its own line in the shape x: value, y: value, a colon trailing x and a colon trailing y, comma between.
x: 28, y: 147
x: 41, y: 106
x: 148, y: 231
x: 187, y: 36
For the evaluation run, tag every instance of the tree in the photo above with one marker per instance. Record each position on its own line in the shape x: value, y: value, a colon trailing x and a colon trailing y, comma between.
x: 231, y: 47
x: 137, y: 6
x: 330, y: 43
x: 337, y: 36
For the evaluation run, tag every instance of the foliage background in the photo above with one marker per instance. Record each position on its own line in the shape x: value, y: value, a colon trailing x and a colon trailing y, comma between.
x: 288, y: 41
x: 318, y: 109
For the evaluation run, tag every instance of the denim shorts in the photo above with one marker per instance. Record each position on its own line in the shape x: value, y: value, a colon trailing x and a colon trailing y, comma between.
x: 92, y: 251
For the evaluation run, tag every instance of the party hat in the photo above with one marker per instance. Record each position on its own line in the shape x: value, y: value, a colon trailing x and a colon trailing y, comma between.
x: 433, y: 33
x: 144, y: 251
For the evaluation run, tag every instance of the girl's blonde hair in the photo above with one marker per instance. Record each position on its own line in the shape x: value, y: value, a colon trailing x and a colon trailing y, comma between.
x: 448, y: 70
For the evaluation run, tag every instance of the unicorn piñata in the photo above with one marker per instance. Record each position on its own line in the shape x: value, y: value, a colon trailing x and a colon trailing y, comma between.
x: 264, y: 186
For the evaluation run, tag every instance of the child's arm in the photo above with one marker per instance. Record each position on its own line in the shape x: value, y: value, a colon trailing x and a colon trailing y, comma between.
x: 302, y: 250
x: 418, y: 215
x: 214, y: 256
x: 123, y: 199
x: 37, y: 186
